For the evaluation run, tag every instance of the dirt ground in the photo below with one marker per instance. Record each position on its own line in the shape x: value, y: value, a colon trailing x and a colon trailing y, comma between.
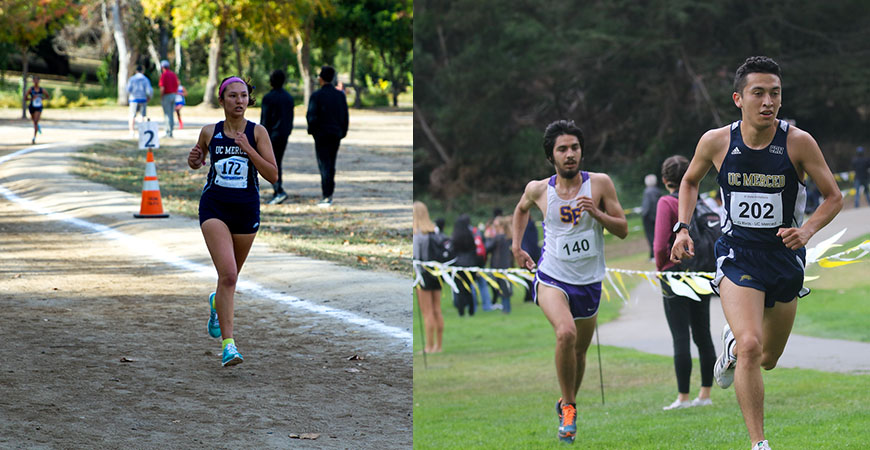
x: 103, y: 348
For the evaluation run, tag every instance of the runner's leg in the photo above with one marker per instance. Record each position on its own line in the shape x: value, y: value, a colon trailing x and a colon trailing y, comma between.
x: 744, y: 310
x: 585, y: 331
x: 554, y: 304
x: 776, y: 330
x: 228, y: 252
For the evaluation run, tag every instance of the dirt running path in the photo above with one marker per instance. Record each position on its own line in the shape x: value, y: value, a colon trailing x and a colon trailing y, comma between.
x: 105, y: 343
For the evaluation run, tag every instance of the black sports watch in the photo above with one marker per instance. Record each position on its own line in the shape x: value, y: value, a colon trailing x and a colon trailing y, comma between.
x: 679, y: 226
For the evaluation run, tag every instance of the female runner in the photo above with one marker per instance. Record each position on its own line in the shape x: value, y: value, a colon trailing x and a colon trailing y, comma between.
x: 35, y: 96
x: 229, y: 209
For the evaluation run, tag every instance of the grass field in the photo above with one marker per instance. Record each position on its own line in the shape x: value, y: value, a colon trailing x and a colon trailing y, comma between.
x: 839, y: 304
x: 494, y: 385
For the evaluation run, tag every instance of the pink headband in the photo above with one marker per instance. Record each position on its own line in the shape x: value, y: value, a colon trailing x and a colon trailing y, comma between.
x: 228, y: 81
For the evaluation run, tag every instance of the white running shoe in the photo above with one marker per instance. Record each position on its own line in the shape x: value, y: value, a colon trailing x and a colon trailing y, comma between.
x: 723, y: 370
x: 763, y: 445
x: 702, y: 402
x: 677, y: 404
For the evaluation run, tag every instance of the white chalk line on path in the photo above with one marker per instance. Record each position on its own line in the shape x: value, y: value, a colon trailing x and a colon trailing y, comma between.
x: 143, y: 247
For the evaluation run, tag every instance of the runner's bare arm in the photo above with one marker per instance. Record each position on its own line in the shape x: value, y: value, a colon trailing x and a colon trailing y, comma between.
x: 808, y: 157
x: 534, y: 191
x: 196, y: 157
x: 263, y: 157
x: 612, y: 217
x: 708, y: 146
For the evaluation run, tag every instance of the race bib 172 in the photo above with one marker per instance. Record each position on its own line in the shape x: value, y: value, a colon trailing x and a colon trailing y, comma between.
x: 232, y: 172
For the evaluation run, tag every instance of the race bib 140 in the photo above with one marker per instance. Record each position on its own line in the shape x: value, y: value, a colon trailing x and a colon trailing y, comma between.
x: 577, y: 246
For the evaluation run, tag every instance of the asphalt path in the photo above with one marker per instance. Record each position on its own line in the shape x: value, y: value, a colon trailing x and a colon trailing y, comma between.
x: 642, y: 325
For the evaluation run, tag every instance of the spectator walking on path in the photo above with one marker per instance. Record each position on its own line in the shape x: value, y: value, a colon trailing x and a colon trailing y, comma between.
x: 651, y: 195
x: 327, y: 121
x: 140, y: 92
x: 861, y: 166
x: 577, y: 207
x: 168, y: 90
x: 229, y: 209
x: 686, y: 316
x: 761, y: 163
x: 277, y: 117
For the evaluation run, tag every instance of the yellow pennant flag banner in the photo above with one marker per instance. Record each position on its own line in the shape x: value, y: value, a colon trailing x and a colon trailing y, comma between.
x: 686, y: 284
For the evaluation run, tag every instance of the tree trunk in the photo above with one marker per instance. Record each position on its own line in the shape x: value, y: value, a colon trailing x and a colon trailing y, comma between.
x: 152, y: 52
x: 214, y: 53
x: 303, y: 57
x: 25, y: 58
x: 357, y: 92
x: 178, y: 60
x: 238, y: 52
x: 123, y: 54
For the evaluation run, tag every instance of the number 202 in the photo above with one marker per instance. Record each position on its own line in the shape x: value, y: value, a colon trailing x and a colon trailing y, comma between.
x: 753, y: 210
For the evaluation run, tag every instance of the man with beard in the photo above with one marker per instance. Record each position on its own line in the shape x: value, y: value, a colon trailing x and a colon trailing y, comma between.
x: 577, y: 207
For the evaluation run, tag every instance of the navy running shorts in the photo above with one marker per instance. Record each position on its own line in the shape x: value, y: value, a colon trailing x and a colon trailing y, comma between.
x: 240, y: 218
x: 778, y: 272
x: 582, y: 299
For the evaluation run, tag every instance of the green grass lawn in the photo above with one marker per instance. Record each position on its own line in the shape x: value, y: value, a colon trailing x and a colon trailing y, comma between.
x: 839, y: 304
x: 494, y: 386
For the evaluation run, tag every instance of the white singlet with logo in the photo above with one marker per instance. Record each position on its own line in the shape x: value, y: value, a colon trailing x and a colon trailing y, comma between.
x: 231, y: 172
x: 573, y: 241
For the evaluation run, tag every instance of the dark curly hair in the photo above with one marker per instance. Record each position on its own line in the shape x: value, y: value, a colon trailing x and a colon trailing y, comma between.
x: 556, y: 129
x: 754, y: 64
x: 251, y: 100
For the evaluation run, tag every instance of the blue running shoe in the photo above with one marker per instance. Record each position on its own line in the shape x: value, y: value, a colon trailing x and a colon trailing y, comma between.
x: 568, y: 424
x: 214, y: 327
x: 39, y: 128
x: 231, y: 356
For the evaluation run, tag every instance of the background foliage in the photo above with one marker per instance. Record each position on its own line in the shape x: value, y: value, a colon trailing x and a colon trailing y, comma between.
x: 643, y: 79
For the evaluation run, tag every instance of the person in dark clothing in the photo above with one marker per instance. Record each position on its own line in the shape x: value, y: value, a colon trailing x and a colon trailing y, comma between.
x: 277, y: 117
x: 686, y: 317
x: 861, y: 164
x: 530, y: 245
x: 651, y: 195
x: 502, y: 258
x: 466, y: 256
x: 327, y: 122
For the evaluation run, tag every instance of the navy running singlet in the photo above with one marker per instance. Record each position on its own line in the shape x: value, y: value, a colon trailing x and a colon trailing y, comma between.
x: 761, y: 191
x: 232, y: 176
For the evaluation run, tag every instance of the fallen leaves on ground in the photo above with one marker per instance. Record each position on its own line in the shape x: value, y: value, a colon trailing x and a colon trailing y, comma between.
x: 311, y: 436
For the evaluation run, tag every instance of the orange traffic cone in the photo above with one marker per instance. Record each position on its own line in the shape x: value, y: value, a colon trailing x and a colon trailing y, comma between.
x: 152, y: 206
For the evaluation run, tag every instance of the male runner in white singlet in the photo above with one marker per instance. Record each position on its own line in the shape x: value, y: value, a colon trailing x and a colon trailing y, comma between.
x: 577, y: 206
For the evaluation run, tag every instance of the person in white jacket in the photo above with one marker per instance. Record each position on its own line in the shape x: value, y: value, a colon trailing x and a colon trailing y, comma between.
x: 140, y: 92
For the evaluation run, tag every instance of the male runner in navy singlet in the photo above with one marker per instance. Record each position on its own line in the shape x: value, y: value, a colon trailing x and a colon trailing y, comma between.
x: 762, y: 162
x: 229, y: 209
x: 577, y: 207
